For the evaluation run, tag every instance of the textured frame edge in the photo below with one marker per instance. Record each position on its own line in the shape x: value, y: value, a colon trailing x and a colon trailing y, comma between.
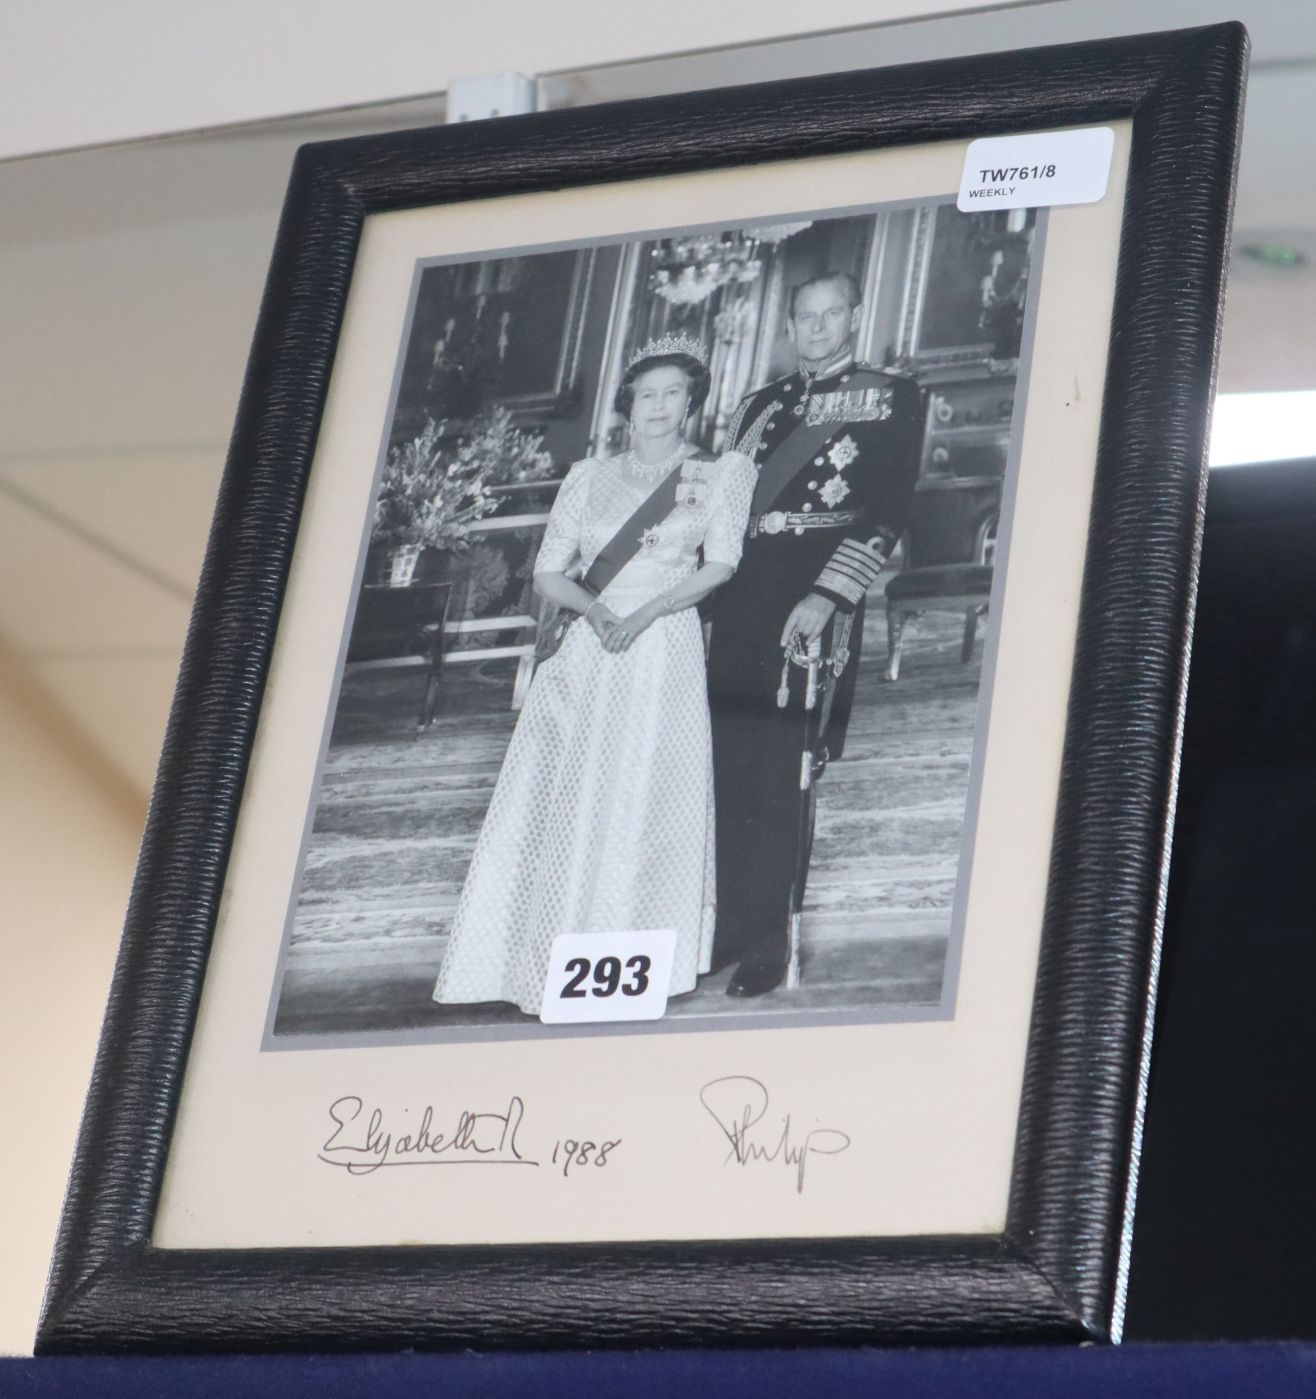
x: 1049, y: 1276
x: 1124, y: 726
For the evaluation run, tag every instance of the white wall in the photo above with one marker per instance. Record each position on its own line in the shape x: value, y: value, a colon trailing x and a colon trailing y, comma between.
x: 82, y: 72
x: 68, y: 837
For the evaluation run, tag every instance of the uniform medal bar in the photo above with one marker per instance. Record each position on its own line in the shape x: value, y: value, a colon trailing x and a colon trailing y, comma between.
x: 849, y: 406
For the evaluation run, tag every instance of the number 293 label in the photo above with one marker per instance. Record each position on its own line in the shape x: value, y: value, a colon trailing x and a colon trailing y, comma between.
x: 608, y: 976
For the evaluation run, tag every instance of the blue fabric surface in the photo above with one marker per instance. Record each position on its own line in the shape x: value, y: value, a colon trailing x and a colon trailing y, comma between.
x: 1131, y: 1372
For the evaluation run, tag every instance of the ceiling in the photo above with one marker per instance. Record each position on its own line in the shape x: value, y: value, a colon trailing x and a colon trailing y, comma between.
x: 129, y: 284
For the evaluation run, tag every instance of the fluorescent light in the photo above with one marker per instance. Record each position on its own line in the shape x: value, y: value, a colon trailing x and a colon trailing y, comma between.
x: 1253, y: 427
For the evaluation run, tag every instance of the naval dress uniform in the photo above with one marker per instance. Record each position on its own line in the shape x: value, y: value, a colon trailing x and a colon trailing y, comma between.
x: 837, y: 457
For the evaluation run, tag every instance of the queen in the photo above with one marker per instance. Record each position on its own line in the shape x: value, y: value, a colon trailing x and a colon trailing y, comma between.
x: 602, y: 816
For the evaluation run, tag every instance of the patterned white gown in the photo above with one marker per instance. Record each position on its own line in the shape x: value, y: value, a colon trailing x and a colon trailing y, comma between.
x: 602, y: 817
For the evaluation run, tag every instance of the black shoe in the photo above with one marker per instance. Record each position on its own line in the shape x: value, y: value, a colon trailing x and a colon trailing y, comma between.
x: 723, y: 957
x: 757, y: 975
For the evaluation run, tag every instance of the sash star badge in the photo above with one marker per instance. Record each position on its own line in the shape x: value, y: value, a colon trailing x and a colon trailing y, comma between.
x: 834, y: 490
x: 843, y: 452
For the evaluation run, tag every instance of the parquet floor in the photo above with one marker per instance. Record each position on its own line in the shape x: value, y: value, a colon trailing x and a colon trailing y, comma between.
x: 399, y: 813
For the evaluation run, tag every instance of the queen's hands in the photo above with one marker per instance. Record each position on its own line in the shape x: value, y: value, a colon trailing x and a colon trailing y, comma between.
x: 603, y: 620
x: 621, y: 635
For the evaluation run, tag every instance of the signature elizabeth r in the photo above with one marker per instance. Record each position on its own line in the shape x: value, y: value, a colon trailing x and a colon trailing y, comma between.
x: 363, y: 1141
x: 739, y: 1104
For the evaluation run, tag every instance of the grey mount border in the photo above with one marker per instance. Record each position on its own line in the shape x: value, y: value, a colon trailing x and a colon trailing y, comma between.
x: 1056, y: 1272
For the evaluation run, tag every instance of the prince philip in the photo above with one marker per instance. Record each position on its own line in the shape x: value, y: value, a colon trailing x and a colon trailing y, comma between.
x: 836, y: 445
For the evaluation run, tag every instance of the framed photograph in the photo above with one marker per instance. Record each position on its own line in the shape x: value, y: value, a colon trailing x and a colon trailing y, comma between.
x: 498, y: 331
x: 662, y: 833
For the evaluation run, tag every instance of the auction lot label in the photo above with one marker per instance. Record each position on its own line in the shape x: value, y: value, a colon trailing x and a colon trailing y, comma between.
x: 1036, y: 170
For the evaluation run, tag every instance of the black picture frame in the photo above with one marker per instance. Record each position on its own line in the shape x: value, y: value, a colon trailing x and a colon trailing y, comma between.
x: 1056, y: 1273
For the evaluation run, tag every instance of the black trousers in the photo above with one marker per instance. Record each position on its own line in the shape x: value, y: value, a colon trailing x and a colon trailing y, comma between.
x: 757, y: 754
x: 758, y: 747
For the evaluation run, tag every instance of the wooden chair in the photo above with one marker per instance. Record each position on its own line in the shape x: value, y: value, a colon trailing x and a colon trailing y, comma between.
x: 964, y: 587
x: 941, y: 587
x: 402, y: 627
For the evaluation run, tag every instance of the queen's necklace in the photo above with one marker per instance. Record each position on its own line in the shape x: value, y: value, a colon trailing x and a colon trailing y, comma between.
x: 655, y: 469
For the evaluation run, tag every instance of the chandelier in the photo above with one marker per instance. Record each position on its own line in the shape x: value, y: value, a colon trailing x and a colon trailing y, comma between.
x: 687, y: 270
x: 775, y: 233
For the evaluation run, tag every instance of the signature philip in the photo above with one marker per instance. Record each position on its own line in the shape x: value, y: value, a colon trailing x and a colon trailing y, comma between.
x: 739, y: 1104
x: 364, y: 1140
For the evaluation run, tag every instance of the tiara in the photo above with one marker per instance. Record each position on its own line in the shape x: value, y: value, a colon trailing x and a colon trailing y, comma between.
x: 681, y: 344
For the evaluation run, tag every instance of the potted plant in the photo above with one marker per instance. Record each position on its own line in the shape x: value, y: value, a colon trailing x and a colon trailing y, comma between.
x: 435, y: 488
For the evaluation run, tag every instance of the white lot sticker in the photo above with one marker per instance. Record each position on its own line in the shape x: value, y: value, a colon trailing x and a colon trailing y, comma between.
x: 608, y: 976
x: 1033, y: 171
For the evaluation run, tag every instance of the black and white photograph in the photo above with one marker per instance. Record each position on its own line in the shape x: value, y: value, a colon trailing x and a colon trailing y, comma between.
x: 672, y: 616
